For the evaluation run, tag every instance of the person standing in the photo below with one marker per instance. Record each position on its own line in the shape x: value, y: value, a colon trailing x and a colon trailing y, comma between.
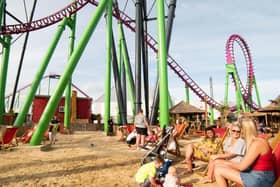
x: 141, y: 125
x: 110, y: 127
x: 53, y: 128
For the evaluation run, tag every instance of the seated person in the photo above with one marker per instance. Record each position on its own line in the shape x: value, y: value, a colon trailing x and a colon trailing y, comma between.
x: 256, y: 168
x: 146, y: 174
x: 171, y: 178
x: 152, y: 137
x: 234, y: 148
x: 203, y: 150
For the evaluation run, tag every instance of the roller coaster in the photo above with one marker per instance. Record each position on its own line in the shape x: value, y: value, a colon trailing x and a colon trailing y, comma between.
x: 66, y: 16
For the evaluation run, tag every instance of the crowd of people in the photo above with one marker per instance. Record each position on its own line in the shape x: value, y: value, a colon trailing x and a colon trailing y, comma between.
x: 242, y: 157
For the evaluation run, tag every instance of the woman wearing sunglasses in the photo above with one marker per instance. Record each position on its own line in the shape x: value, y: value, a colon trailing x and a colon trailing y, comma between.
x: 234, y: 148
x: 256, y: 168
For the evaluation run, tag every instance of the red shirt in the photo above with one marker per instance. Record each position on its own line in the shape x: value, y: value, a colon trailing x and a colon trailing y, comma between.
x: 264, y: 162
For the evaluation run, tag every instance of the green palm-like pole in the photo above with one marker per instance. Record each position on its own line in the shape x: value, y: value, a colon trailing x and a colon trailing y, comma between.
x: 3, y: 74
x: 128, y: 71
x: 108, y: 65
x: 162, y: 66
x: 39, y: 75
x: 187, y: 91
x: 73, y: 61
x: 67, y: 106
x: 2, y: 11
x: 257, y: 93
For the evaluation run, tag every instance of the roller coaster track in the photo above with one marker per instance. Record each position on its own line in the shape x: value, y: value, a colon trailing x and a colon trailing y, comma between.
x: 246, y: 91
x: 130, y: 23
x: 46, y: 21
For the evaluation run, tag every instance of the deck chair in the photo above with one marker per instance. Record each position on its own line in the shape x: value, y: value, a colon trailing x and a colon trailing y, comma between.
x: 178, y: 133
x: 221, y: 133
x: 8, y: 137
x: 125, y: 131
x: 180, y: 130
x: 275, y: 140
x: 276, y: 154
x: 160, y: 149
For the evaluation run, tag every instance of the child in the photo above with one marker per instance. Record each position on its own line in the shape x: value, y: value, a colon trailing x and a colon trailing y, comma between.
x: 146, y: 174
x: 152, y: 137
x: 171, y: 178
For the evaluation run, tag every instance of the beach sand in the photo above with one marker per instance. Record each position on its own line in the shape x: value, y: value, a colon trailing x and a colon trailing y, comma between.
x: 88, y: 158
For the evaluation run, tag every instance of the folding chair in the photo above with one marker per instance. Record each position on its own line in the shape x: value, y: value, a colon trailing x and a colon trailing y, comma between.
x: 8, y: 137
x: 160, y: 149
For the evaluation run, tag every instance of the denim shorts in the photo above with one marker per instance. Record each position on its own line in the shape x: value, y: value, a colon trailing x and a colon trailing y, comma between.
x: 253, y: 178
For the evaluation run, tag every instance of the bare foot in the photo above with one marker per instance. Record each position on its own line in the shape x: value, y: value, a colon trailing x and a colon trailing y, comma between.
x: 206, y: 180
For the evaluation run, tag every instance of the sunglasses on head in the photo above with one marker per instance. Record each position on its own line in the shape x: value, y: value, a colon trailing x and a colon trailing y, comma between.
x: 237, y: 131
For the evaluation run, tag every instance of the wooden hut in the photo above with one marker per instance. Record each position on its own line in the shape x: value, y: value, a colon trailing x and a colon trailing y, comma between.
x: 193, y: 114
x: 271, y: 114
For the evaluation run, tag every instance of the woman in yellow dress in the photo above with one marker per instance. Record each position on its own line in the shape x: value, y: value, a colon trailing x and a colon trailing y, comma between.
x: 203, y: 150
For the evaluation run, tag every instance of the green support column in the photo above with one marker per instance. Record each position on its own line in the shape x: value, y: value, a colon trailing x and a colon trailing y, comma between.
x: 118, y: 119
x: 187, y: 91
x: 239, y: 98
x: 257, y: 93
x: 2, y: 5
x: 73, y: 61
x: 128, y: 71
x: 39, y: 75
x: 108, y: 66
x: 3, y: 75
x: 67, y: 105
x: 162, y: 66
x: 231, y: 70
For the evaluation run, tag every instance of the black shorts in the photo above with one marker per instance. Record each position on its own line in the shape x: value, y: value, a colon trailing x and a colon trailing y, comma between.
x: 142, y: 131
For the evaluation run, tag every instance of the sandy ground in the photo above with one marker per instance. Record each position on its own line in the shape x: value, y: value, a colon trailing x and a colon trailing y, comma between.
x: 81, y: 159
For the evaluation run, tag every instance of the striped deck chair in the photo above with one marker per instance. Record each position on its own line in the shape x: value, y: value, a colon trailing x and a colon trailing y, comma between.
x: 8, y: 137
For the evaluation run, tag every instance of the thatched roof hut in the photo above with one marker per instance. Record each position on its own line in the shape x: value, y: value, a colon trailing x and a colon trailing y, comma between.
x: 274, y: 106
x: 184, y: 108
x: 271, y: 114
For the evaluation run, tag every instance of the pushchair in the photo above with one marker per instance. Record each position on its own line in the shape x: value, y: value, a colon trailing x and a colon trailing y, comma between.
x: 160, y: 148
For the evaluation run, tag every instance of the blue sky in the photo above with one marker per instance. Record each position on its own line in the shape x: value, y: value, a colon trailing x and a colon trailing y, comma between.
x: 201, y: 29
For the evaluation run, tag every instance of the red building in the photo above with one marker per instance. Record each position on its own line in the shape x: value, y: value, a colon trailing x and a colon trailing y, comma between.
x: 83, y: 108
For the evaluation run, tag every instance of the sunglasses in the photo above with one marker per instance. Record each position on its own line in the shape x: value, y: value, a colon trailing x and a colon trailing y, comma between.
x: 237, y: 131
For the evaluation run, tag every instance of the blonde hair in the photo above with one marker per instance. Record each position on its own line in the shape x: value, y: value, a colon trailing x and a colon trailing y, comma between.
x: 249, y: 129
